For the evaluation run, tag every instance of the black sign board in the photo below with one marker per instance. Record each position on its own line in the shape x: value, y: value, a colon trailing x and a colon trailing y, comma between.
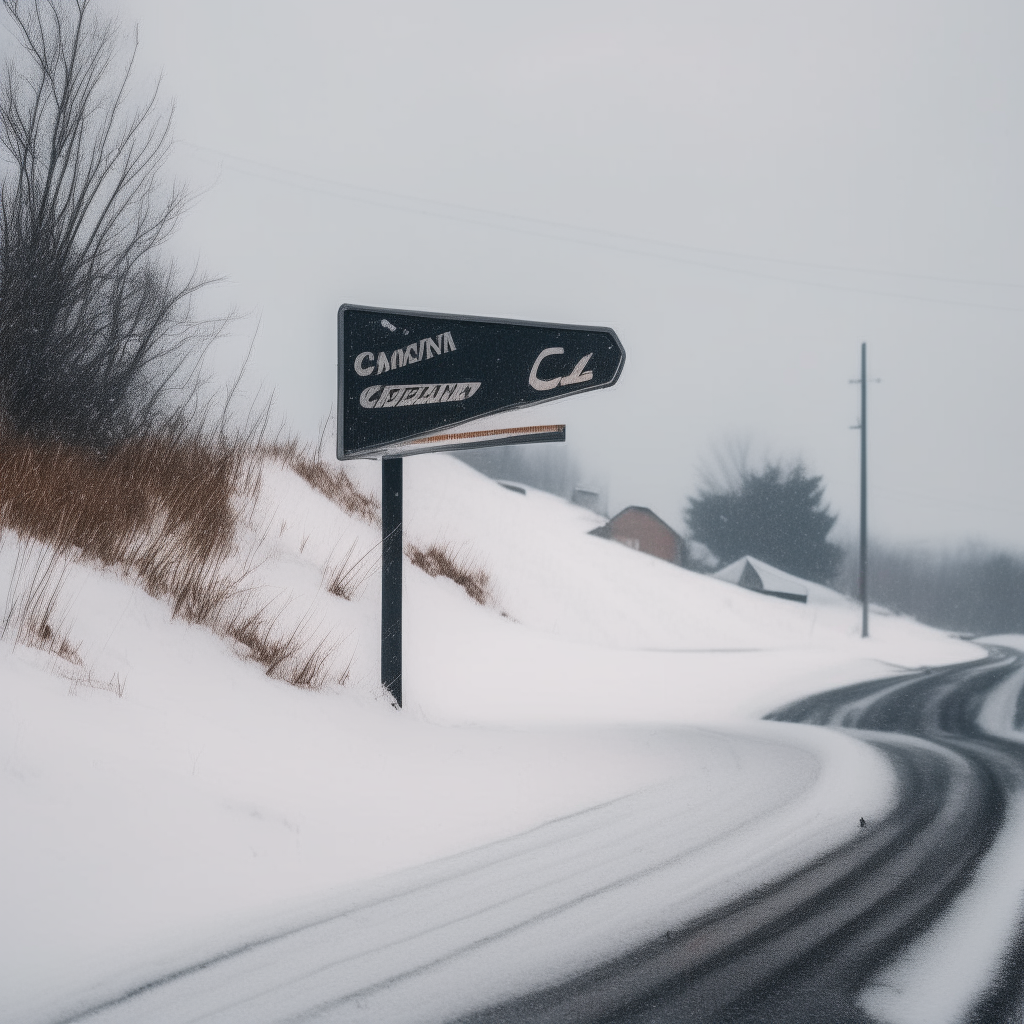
x: 407, y: 381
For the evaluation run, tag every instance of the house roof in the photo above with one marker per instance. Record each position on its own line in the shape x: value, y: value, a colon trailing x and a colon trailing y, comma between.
x: 756, y: 575
x: 604, y: 530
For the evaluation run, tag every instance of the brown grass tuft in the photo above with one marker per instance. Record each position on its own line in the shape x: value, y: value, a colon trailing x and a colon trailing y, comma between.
x: 103, y: 504
x: 333, y: 483
x: 255, y: 631
x: 32, y: 614
x: 345, y: 578
x: 163, y: 508
x: 284, y: 655
x: 311, y: 673
x: 443, y: 560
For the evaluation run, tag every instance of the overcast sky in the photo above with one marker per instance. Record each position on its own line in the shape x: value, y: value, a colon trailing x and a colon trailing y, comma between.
x: 744, y: 191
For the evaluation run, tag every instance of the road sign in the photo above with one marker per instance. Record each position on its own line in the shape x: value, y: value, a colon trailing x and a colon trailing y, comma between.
x: 408, y: 382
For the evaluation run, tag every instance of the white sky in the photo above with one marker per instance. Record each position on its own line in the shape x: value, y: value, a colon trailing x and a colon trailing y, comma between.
x: 744, y: 191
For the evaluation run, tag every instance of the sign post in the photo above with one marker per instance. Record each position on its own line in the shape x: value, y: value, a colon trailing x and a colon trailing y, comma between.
x: 410, y: 382
x: 391, y: 578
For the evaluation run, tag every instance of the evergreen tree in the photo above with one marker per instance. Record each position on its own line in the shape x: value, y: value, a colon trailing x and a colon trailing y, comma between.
x: 776, y: 515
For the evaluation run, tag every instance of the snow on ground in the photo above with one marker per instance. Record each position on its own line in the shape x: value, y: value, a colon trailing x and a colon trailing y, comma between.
x: 457, y: 935
x: 601, y: 633
x: 167, y: 799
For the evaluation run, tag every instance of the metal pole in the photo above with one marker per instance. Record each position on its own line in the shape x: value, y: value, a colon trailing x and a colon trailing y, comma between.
x: 391, y: 579
x: 864, y: 487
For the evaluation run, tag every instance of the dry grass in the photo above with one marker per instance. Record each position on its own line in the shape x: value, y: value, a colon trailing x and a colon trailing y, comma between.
x: 254, y: 630
x: 165, y: 510
x: 333, y: 483
x: 33, y: 613
x: 116, y: 684
x: 197, y: 588
x: 444, y: 560
x: 285, y: 655
x: 345, y: 578
x: 103, y: 504
x: 313, y: 672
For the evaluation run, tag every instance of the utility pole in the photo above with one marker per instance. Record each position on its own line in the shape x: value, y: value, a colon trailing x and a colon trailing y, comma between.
x: 862, y: 426
x: 864, y: 487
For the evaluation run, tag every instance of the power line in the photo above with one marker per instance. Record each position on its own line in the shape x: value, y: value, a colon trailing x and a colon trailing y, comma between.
x: 617, y: 241
x: 932, y: 498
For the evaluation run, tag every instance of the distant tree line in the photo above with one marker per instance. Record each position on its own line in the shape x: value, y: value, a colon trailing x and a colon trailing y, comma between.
x: 971, y: 590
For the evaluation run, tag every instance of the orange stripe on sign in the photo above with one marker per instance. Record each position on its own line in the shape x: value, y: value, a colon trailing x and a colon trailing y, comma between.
x: 507, y: 432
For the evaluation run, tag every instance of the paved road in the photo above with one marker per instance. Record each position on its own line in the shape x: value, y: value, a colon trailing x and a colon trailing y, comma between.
x: 799, y: 951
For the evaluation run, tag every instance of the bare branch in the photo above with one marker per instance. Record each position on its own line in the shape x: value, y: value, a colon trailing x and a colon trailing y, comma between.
x: 99, y: 337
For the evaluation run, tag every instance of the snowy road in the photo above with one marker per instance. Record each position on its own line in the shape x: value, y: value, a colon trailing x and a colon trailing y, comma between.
x: 804, y: 949
x: 801, y: 945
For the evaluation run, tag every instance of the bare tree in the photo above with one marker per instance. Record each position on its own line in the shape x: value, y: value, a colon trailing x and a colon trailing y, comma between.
x: 99, y: 335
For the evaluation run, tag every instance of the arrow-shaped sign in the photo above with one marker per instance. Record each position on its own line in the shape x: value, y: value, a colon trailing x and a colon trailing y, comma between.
x: 408, y: 381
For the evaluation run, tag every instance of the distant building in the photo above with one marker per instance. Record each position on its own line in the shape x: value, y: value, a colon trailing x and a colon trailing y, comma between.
x: 588, y: 499
x: 640, y: 529
x: 754, y: 574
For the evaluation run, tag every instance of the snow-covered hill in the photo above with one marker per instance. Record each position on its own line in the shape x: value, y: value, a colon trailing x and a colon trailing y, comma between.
x: 163, y: 798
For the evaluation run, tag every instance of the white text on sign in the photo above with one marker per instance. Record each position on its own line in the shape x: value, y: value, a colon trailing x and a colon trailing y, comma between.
x: 398, y: 395
x: 366, y: 364
x: 578, y: 376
